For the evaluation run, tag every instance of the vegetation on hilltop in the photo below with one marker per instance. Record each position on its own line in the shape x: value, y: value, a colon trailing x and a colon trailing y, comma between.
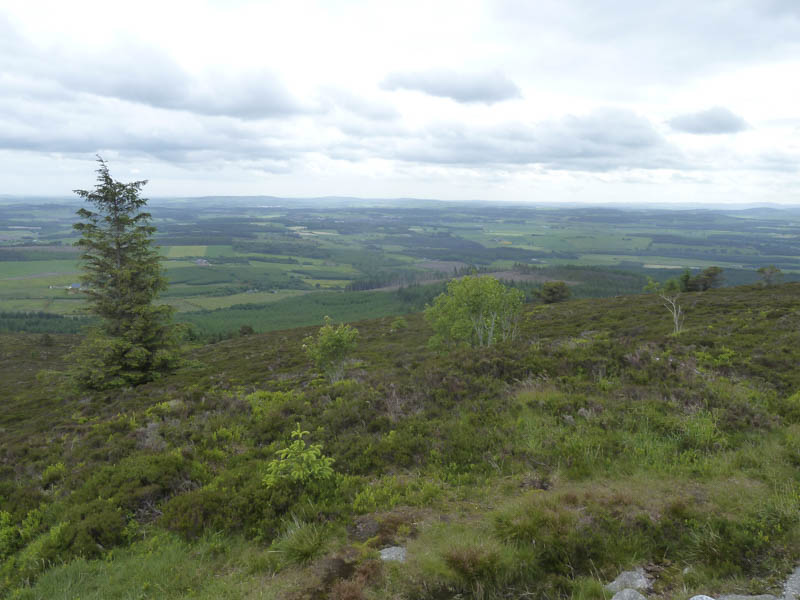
x: 592, y: 442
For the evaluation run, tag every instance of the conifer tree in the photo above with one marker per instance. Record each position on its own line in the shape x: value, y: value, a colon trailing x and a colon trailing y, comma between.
x: 122, y: 276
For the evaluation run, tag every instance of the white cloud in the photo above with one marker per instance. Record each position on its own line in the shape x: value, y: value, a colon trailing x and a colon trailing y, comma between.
x: 716, y: 120
x: 489, y: 87
x: 467, y: 98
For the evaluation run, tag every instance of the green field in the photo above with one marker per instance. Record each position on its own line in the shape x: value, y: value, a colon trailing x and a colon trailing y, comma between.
x: 182, y: 251
x: 222, y: 254
x: 36, y: 268
x: 298, y: 311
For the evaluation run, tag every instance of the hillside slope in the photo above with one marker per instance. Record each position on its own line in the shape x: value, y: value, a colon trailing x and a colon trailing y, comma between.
x: 595, y: 442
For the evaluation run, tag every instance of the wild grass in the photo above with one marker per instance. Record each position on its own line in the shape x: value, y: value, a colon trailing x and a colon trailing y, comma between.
x: 597, y: 442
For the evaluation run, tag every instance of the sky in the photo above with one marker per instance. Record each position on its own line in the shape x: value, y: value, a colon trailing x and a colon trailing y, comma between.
x: 576, y: 101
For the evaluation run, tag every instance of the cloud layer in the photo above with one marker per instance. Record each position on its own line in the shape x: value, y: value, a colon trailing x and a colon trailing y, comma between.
x: 487, y: 87
x: 712, y: 121
x: 477, y: 99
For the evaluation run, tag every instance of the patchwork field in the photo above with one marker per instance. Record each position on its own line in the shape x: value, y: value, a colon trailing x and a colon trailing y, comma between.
x: 222, y: 253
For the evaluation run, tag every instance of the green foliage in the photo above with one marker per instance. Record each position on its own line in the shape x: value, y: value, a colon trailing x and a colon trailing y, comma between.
x: 122, y: 278
x: 601, y: 444
x: 301, y: 542
x: 398, y: 324
x: 263, y: 403
x: 380, y: 495
x: 705, y: 280
x: 92, y: 529
x: 9, y: 535
x: 475, y: 310
x: 720, y: 359
x: 141, y: 480
x: 554, y: 291
x: 458, y: 559
x: 331, y: 347
x: 161, y: 566
x: 53, y: 474
x: 299, y: 463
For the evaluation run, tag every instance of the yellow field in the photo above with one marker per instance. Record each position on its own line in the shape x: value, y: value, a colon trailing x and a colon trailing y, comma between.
x: 182, y: 251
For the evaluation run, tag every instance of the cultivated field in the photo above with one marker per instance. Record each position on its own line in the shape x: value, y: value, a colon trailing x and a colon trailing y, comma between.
x: 233, y: 255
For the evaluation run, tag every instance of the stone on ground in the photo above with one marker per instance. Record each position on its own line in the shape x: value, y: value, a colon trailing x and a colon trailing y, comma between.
x: 634, y: 580
x: 628, y: 594
x: 397, y: 553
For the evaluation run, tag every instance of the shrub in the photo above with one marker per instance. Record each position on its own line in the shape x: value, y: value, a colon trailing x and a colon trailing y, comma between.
x: 476, y: 563
x: 9, y: 535
x: 380, y: 495
x: 264, y: 404
x: 331, y: 348
x: 36, y: 556
x: 190, y: 514
x: 142, y: 479
x: 236, y: 500
x: 475, y: 310
x: 554, y: 291
x: 300, y: 543
x: 299, y: 463
x: 398, y: 324
x: 92, y: 529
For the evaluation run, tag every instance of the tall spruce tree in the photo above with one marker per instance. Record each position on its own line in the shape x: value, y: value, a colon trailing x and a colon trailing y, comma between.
x: 122, y: 276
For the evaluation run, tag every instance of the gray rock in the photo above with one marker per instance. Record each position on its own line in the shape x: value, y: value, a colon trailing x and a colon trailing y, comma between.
x: 635, y: 580
x: 791, y: 590
x: 701, y: 597
x: 742, y: 597
x: 628, y: 594
x: 397, y: 553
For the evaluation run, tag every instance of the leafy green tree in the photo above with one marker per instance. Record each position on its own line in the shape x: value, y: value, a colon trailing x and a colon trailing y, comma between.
x: 122, y: 276
x: 475, y: 310
x: 554, y: 291
x: 331, y: 347
x: 770, y: 275
x: 709, y: 278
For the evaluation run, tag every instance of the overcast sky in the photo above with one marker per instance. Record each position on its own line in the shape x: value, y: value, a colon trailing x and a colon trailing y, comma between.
x: 600, y: 101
